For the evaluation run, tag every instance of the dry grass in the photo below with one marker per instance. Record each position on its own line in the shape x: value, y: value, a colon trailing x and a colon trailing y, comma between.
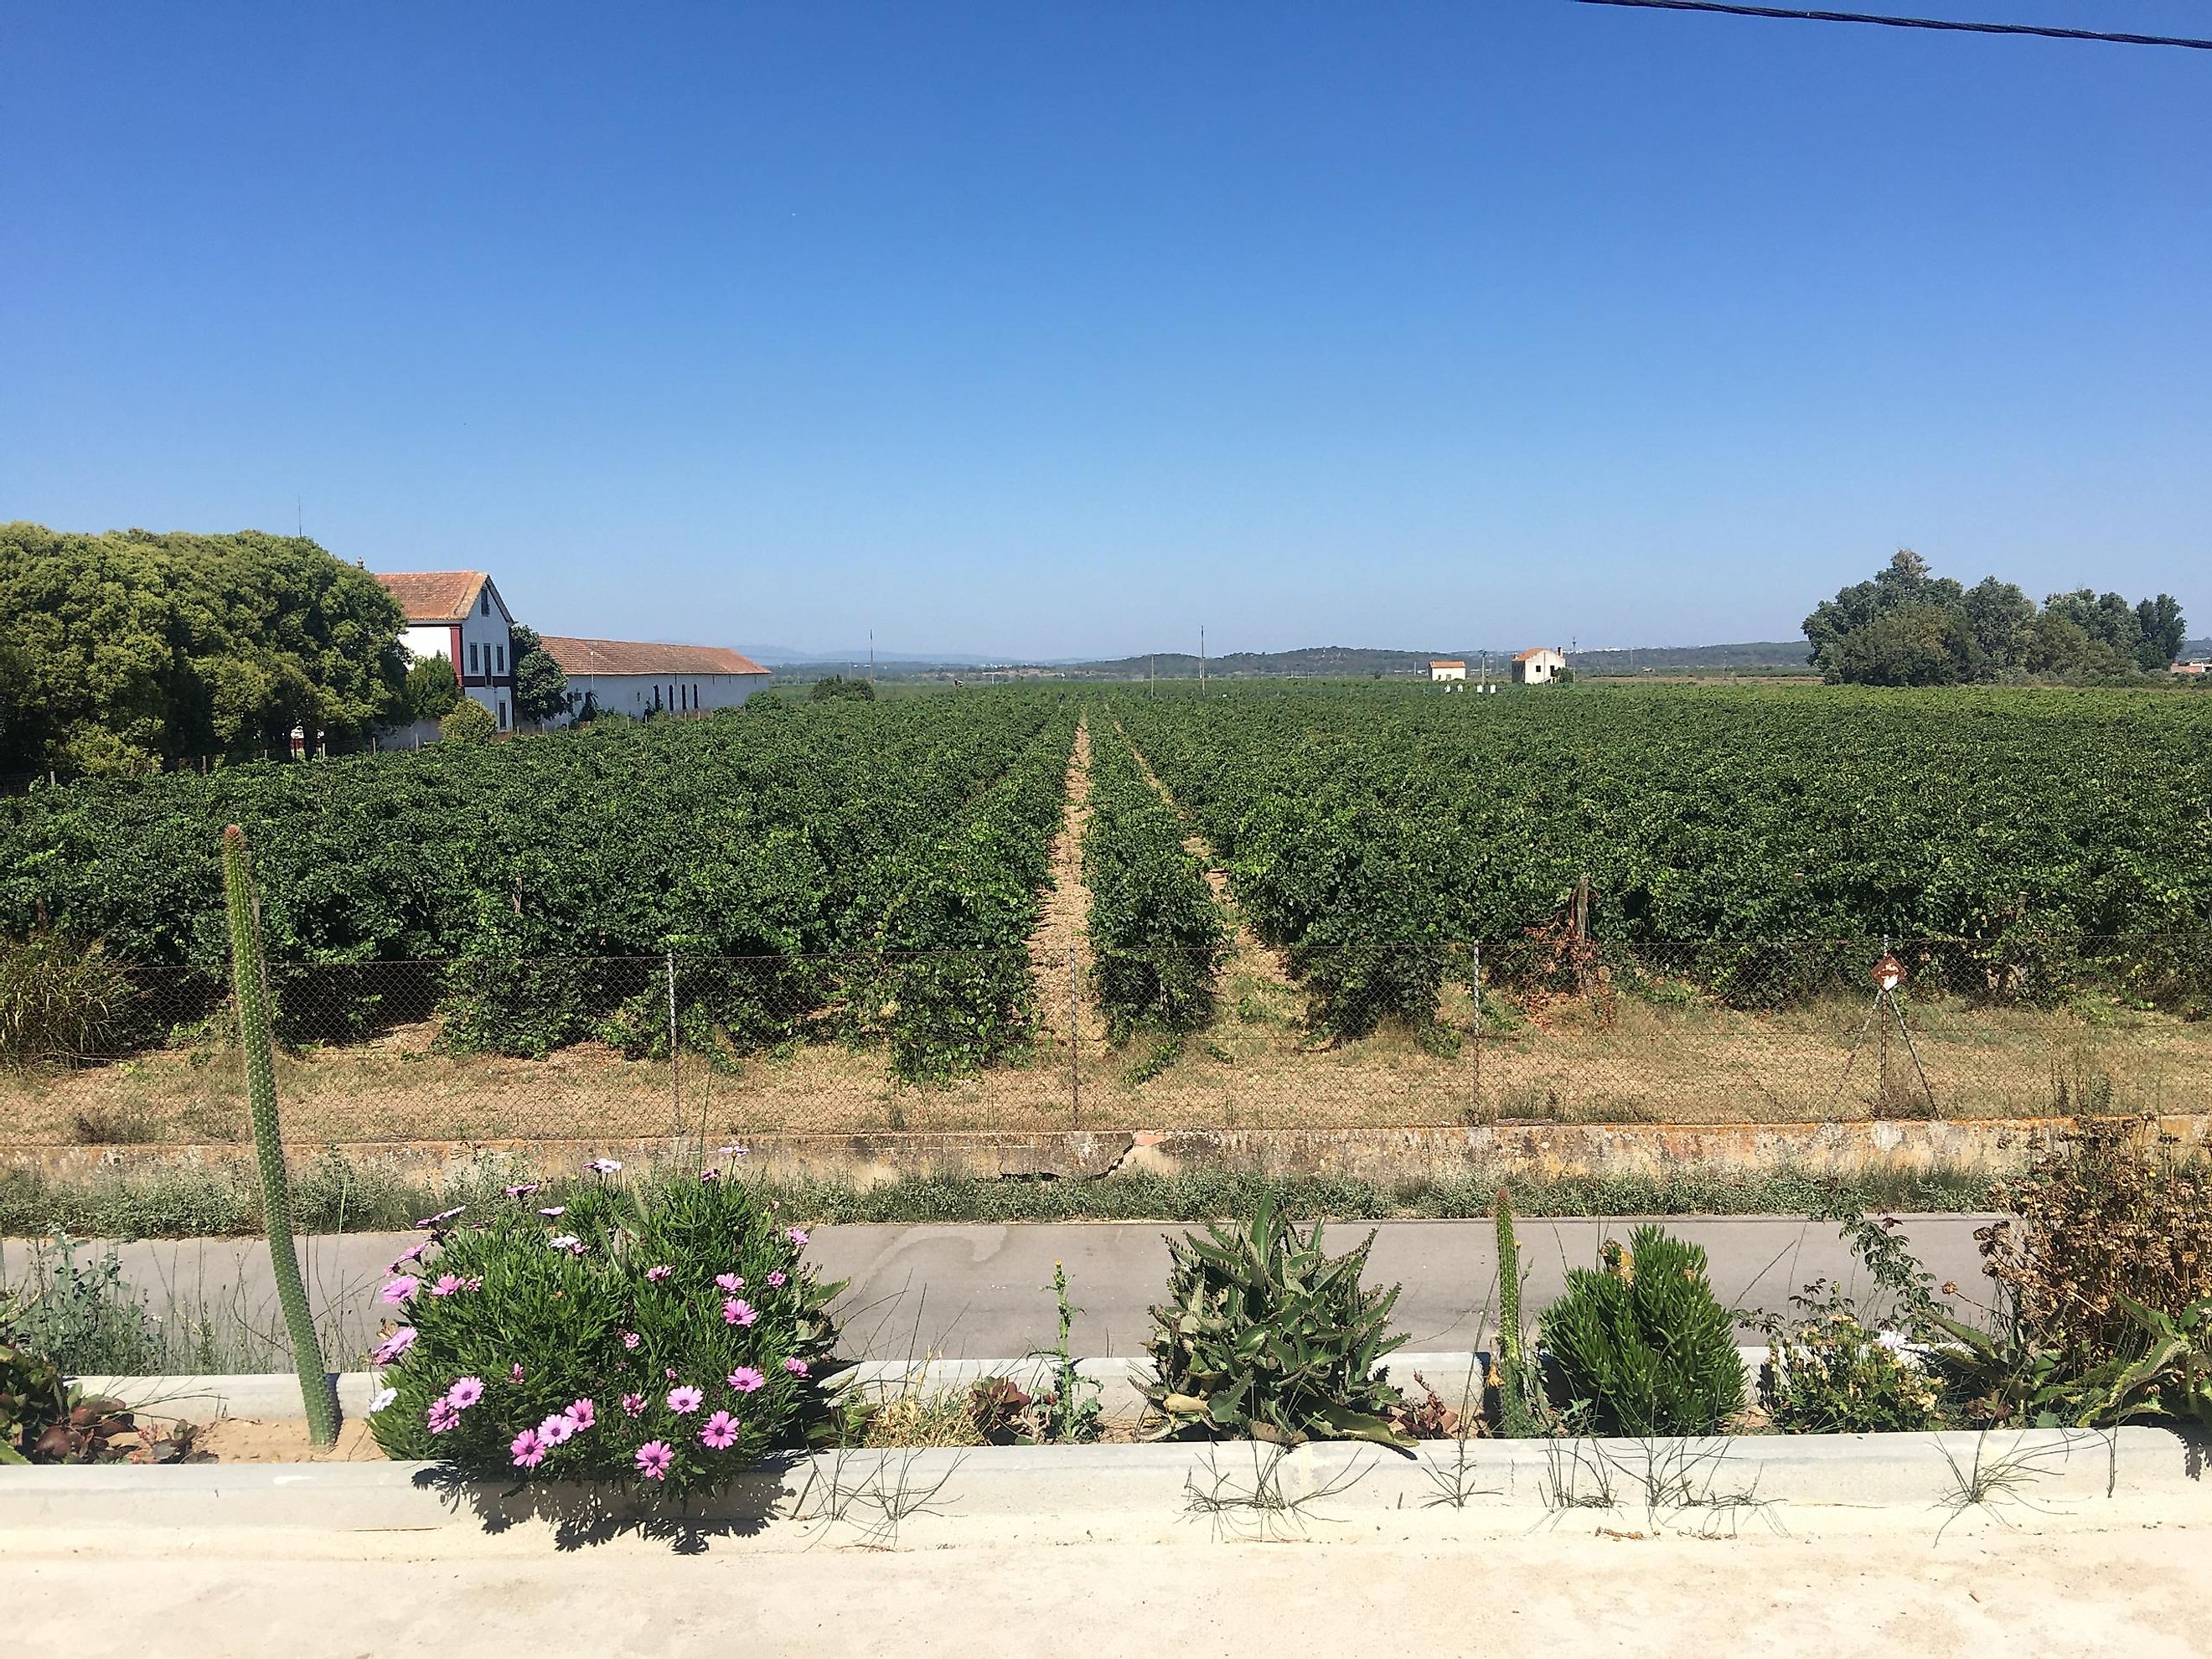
x: 1253, y: 1068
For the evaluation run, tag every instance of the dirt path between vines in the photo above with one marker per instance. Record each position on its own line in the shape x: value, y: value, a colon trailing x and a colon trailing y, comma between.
x: 1250, y: 956
x: 1065, y: 926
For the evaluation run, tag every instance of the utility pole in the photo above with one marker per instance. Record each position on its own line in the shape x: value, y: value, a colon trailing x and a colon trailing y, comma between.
x: 1201, y: 658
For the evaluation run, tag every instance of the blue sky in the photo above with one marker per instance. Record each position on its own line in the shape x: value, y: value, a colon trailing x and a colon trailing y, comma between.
x: 1048, y: 330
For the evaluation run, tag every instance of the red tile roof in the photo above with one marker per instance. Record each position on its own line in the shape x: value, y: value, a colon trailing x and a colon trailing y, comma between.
x: 435, y: 596
x: 636, y: 657
x: 1535, y: 651
x: 1446, y: 662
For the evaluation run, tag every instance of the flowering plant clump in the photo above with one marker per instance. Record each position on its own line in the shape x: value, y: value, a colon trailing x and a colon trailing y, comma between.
x: 594, y: 1340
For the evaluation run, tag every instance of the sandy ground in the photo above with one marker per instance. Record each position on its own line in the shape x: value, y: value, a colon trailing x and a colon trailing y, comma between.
x: 251, y: 1440
x: 2142, y: 1592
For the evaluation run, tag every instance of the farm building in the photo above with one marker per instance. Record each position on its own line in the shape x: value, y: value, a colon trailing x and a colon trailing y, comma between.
x: 458, y: 615
x: 1447, y: 668
x: 627, y: 677
x: 1540, y: 666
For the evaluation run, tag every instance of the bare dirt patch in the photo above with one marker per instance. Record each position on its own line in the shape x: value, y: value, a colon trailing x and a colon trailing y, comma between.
x: 279, y: 1440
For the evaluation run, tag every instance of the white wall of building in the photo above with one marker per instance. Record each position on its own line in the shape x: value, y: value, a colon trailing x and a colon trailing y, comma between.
x: 481, y: 649
x: 640, y: 695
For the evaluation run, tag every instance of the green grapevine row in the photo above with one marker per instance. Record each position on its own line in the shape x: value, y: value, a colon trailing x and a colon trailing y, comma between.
x: 1157, y: 935
x: 1370, y: 833
x: 793, y: 839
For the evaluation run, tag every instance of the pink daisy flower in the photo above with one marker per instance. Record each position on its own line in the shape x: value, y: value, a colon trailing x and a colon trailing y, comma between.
x: 442, y: 1217
x: 604, y: 1166
x: 657, y: 1274
x: 683, y: 1400
x: 448, y: 1284
x: 710, y: 1175
x: 581, y: 1415
x: 556, y: 1209
x: 633, y: 1405
x: 406, y: 1257
x: 556, y: 1429
x: 729, y: 1281
x: 653, y: 1458
x: 400, y: 1289
x: 738, y: 1312
x: 524, y: 1190
x: 514, y: 1373
x: 465, y: 1393
x: 745, y: 1379
x: 393, y: 1345
x: 529, y: 1450
x: 797, y: 1236
x: 796, y: 1367
x: 775, y: 1280
x: 719, y: 1433
x: 442, y: 1416
x: 630, y: 1339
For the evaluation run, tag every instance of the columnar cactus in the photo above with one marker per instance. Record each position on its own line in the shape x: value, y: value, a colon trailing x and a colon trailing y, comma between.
x: 1512, y: 1379
x: 250, y: 978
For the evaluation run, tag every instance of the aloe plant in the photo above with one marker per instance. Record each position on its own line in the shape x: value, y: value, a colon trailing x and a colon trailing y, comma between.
x: 1641, y: 1345
x: 250, y: 978
x: 1264, y: 1334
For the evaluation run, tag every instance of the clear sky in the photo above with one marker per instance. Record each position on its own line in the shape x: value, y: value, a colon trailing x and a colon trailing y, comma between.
x: 1047, y: 329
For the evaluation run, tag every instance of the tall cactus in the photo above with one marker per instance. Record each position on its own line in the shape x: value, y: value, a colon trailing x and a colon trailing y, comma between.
x: 250, y: 978
x: 1516, y: 1417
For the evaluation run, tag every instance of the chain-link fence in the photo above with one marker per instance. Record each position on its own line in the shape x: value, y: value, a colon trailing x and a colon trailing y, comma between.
x: 1569, y: 1031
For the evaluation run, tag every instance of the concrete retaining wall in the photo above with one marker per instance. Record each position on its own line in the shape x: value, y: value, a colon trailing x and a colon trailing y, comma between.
x: 1997, y: 1145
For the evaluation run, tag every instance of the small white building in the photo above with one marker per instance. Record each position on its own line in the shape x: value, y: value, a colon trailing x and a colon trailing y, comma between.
x: 1540, y: 666
x: 1447, y: 668
x: 629, y: 676
x: 458, y: 615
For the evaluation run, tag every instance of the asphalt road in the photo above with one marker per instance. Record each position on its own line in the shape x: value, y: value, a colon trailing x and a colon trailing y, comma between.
x: 984, y: 1291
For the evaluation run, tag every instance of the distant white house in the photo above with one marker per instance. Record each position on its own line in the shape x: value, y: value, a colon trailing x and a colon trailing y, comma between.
x: 1540, y: 666
x: 458, y: 615
x: 1447, y: 668
x: 629, y: 677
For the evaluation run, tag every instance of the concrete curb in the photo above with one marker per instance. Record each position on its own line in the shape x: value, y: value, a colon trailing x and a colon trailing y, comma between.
x: 1096, y: 1490
x: 1455, y: 1376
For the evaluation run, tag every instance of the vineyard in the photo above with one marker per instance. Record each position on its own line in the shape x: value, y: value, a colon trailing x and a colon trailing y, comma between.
x: 1282, y: 906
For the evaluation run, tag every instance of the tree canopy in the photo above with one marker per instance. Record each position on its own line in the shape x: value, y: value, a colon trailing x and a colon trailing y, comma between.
x: 127, y: 650
x: 1908, y: 626
x: 541, y: 689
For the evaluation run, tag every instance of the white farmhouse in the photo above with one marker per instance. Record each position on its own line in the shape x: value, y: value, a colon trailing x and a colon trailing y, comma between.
x: 458, y: 615
x: 1447, y: 668
x: 627, y: 677
x: 1540, y: 666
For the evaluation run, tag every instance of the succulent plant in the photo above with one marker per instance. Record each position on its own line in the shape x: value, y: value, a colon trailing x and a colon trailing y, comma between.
x: 1265, y: 1334
x: 1640, y: 1346
x: 250, y: 974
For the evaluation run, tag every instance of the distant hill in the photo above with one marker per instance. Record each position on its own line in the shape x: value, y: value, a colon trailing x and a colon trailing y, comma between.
x: 1315, y: 662
x: 1352, y: 662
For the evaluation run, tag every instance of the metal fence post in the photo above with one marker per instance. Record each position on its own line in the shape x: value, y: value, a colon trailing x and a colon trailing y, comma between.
x: 1475, y: 1096
x: 675, y: 1050
x: 1074, y: 1050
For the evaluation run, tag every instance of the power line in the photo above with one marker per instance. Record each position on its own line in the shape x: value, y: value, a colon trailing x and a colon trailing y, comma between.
x: 1881, y: 20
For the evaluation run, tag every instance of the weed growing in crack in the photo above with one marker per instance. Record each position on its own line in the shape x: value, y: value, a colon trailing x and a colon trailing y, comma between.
x: 1993, y: 1481
x: 1262, y: 1506
x: 874, y: 1493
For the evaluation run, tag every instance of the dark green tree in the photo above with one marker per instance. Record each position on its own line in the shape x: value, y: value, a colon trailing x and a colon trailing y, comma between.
x: 833, y: 686
x: 1905, y: 580
x: 2000, y: 617
x: 1913, y: 644
x: 130, y: 650
x: 2164, y: 630
x: 541, y: 689
x: 431, y: 690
